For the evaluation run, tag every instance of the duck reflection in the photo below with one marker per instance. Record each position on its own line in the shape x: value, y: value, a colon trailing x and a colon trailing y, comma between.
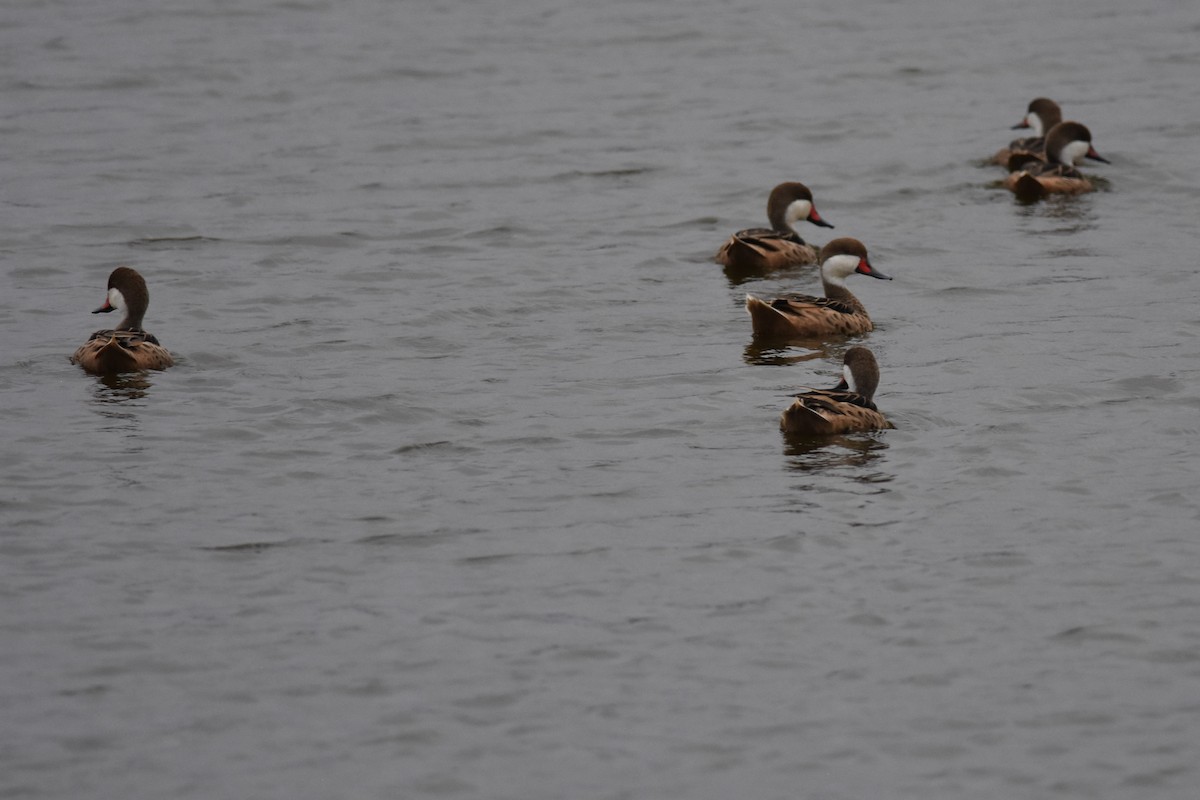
x: 1075, y: 213
x: 121, y: 387
x: 737, y: 276
x: 759, y: 353
x: 816, y: 454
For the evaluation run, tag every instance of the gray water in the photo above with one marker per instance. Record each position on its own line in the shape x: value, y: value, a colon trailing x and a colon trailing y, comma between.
x: 468, y: 481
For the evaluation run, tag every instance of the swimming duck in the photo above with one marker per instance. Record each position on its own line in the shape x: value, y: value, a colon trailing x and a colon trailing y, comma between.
x: 780, y: 245
x: 1066, y: 144
x: 838, y: 312
x: 847, y: 407
x: 128, y: 348
x: 1041, y: 115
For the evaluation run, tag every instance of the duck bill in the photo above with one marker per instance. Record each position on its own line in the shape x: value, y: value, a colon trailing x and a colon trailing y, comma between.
x: 815, y: 219
x: 866, y: 269
x: 104, y: 309
x: 1022, y: 124
x: 1094, y: 156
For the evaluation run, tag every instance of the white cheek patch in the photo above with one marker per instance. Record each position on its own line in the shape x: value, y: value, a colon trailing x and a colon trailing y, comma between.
x: 115, y: 298
x: 836, y: 268
x: 849, y: 378
x: 1073, y: 152
x: 1035, y: 122
x: 798, y: 209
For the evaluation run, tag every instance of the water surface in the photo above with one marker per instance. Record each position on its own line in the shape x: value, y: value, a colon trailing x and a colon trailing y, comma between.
x: 468, y: 481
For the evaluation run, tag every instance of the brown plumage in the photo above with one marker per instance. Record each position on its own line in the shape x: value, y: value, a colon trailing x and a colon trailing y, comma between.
x: 837, y: 313
x: 1041, y: 115
x: 780, y: 246
x: 127, y: 348
x: 847, y: 407
x: 1066, y: 144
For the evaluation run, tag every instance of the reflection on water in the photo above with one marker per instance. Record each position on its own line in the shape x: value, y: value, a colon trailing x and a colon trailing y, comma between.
x: 121, y: 387
x: 1076, y: 210
x: 762, y: 352
x: 813, y: 454
x: 740, y: 275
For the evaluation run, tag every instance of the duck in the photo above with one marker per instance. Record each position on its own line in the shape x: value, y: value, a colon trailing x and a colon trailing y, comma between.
x: 1041, y: 115
x: 846, y: 408
x: 838, y: 313
x: 780, y: 246
x: 128, y: 347
x: 1066, y: 144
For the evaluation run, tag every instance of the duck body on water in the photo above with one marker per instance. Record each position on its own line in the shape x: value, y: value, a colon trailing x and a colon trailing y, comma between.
x: 1034, y: 177
x: 839, y: 312
x: 846, y: 408
x: 1041, y: 115
x: 128, y: 347
x: 780, y: 246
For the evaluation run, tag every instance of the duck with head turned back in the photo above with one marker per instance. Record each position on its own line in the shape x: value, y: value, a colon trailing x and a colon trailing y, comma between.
x: 1042, y: 115
x: 780, y: 246
x: 839, y: 312
x: 128, y: 347
x: 1066, y: 144
x: 847, y: 407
